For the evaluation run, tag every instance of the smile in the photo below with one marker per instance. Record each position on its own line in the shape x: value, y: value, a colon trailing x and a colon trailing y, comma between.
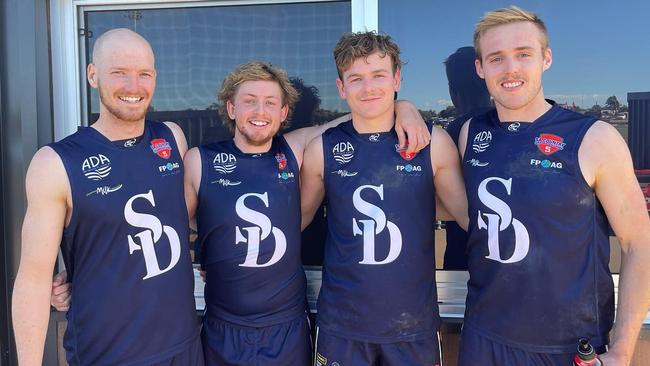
x: 130, y: 99
x: 259, y: 123
x: 512, y: 84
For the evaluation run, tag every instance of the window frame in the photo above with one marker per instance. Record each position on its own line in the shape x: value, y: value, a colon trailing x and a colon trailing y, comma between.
x: 69, y: 90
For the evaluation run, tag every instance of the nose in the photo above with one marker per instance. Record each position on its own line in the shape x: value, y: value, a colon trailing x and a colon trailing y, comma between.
x: 132, y: 82
x: 511, y: 64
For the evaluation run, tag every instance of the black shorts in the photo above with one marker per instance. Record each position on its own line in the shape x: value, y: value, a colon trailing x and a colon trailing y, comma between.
x: 332, y: 350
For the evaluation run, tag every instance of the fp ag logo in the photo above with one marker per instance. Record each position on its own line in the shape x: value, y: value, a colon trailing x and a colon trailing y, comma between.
x: 500, y: 221
x: 375, y: 226
x: 150, y: 236
x: 255, y: 234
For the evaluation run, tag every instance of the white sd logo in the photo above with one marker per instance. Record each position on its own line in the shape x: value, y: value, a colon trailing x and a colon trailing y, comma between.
x: 262, y: 229
x: 150, y: 236
x: 500, y: 221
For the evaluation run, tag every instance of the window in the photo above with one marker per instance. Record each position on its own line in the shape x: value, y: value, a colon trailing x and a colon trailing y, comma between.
x: 196, y: 47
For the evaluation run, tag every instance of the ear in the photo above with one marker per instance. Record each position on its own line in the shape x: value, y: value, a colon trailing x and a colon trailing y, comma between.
x: 548, y: 58
x: 398, y: 79
x: 341, y: 88
x: 284, y: 112
x: 91, y: 75
x: 479, y: 69
x: 231, y: 109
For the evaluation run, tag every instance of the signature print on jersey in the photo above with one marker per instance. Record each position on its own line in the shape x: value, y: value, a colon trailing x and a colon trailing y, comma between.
x: 499, y: 221
x: 96, y: 167
x: 263, y: 227
x: 149, y: 237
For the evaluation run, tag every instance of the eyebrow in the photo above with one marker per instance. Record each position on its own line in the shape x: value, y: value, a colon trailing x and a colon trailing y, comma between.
x: 376, y: 71
x: 521, y: 48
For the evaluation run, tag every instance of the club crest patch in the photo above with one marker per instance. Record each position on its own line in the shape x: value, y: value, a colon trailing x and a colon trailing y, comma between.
x: 282, y: 160
x: 402, y: 152
x: 161, y: 147
x: 549, y: 144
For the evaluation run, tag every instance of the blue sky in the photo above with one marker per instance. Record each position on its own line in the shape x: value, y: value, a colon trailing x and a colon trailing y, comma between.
x: 600, y: 48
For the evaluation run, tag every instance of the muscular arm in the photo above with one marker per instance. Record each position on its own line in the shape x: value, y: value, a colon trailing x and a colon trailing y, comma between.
x: 41, y: 236
x: 448, y: 178
x: 192, y: 180
x: 312, y: 188
x: 607, y: 166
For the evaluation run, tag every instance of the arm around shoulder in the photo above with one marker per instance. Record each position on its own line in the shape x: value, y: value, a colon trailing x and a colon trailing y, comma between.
x: 41, y: 235
x: 448, y: 177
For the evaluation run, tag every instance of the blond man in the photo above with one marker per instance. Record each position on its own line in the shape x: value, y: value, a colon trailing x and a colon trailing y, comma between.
x: 542, y: 182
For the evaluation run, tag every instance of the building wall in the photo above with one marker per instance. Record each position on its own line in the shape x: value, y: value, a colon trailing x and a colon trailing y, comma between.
x: 25, y: 125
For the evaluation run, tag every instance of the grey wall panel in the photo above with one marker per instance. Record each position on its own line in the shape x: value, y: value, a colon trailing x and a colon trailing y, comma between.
x: 26, y: 124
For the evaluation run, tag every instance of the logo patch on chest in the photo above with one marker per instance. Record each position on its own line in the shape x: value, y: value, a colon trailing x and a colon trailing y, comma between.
x: 162, y: 148
x: 282, y: 160
x: 402, y: 152
x: 549, y: 144
x: 481, y: 141
x: 224, y: 163
x: 96, y: 167
x: 343, y: 152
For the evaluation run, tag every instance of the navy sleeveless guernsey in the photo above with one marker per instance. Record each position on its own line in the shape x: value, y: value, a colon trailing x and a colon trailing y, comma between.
x: 249, y: 228
x: 126, y: 249
x: 538, y: 244
x: 379, y: 268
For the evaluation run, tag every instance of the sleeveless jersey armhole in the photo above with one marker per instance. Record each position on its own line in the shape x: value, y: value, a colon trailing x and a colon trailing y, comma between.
x: 575, y: 155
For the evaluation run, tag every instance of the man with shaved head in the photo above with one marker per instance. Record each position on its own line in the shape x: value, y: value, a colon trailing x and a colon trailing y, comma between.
x: 111, y: 195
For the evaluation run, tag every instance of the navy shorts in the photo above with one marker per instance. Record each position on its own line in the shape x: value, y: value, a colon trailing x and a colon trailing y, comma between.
x: 191, y: 356
x: 228, y: 344
x: 476, y: 349
x: 332, y: 350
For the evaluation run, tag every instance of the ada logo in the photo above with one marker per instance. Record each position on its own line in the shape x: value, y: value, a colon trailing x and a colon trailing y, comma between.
x: 546, y: 163
x: 162, y: 148
x: 343, y: 152
x: 96, y: 167
x: 224, y: 163
x: 282, y: 160
x: 481, y: 141
x: 408, y: 168
x: 548, y: 143
x: 402, y: 152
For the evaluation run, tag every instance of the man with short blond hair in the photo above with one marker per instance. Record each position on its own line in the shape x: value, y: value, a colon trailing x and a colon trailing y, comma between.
x: 542, y: 183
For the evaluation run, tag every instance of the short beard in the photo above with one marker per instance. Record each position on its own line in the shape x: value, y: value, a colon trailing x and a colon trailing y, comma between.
x: 116, y: 111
